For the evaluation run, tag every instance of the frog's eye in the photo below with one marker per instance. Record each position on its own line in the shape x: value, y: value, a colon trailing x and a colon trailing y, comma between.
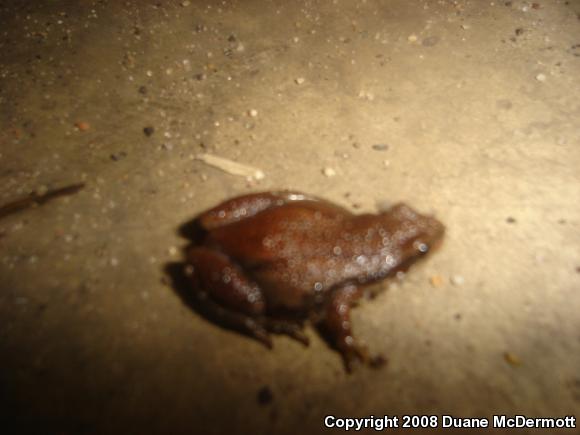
x: 421, y: 246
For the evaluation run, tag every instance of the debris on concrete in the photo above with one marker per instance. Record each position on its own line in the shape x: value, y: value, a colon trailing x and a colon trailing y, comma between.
x: 512, y: 359
x: 328, y: 172
x: 231, y: 167
x: 82, y: 125
x: 436, y: 281
x: 265, y: 396
x: 40, y: 197
x: 431, y: 41
x: 118, y: 156
x: 366, y: 95
x: 457, y: 280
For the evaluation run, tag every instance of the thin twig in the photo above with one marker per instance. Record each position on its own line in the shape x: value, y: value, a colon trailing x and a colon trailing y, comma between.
x: 34, y: 199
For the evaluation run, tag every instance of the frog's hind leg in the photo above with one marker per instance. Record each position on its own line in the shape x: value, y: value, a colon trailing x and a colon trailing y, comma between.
x: 224, y: 293
x: 336, y: 323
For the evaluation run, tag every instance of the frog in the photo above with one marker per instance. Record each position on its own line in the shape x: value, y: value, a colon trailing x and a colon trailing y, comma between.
x: 268, y: 262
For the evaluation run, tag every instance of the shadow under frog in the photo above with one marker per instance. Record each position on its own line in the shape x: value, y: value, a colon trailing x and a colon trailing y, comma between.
x: 266, y: 263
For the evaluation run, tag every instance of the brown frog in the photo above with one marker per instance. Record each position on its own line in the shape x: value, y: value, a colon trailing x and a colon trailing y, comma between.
x: 265, y: 262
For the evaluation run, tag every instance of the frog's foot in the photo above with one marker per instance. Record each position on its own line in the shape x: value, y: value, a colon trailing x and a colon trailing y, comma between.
x: 293, y: 330
x: 336, y: 323
x: 351, y: 352
x: 233, y: 320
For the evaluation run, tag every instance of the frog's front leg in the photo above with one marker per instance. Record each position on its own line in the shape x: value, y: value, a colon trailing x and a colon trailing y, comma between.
x: 225, y: 293
x: 336, y: 323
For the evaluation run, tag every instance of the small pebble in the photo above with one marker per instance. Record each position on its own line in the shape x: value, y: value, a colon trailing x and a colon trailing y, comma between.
x: 512, y: 359
x: 378, y: 361
x: 253, y: 113
x: 185, y: 3
x: 367, y: 95
x: 114, y: 262
x: 82, y: 125
x: 148, y: 131
x: 510, y: 220
x: 541, y: 77
x: 412, y: 38
x: 172, y: 250
x: 118, y: 156
x: 143, y: 90
x: 329, y: 172
x: 41, y: 190
x: 299, y: 80
x: 431, y: 41
x: 436, y: 281
x: 457, y: 280
x: 265, y: 395
x: 381, y: 147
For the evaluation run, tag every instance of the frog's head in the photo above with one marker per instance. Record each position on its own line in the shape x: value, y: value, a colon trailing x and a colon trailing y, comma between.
x: 413, y: 233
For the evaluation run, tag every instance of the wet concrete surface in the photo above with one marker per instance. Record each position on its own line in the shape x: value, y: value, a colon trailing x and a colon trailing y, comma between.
x: 477, y: 104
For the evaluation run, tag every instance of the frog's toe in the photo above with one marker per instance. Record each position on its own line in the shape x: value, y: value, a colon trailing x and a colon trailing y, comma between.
x: 354, y: 352
x: 290, y: 329
x: 257, y: 331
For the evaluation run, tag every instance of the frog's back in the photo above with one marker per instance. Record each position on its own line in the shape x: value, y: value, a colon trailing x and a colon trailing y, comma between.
x: 288, y: 231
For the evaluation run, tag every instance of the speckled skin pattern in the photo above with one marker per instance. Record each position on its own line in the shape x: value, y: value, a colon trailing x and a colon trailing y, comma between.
x: 267, y: 261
